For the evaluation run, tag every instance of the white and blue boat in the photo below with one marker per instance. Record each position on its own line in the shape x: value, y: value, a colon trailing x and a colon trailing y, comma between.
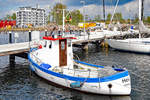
x: 54, y: 62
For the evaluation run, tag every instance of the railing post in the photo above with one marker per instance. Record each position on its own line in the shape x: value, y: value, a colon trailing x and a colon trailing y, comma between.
x: 30, y: 36
x: 10, y: 37
x: 89, y: 73
x: 16, y: 35
x: 99, y: 79
x: 45, y: 32
x: 70, y: 31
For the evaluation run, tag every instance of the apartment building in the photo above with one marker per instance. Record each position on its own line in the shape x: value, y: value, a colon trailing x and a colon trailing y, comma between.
x: 31, y: 16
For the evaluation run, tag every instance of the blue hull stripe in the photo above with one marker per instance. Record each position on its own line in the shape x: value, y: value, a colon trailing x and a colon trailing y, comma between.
x: 88, y: 64
x: 89, y: 80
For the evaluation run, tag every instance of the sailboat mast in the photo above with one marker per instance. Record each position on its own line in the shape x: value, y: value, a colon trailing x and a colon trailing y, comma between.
x: 104, y: 10
x: 142, y: 10
x: 140, y: 7
x: 140, y: 15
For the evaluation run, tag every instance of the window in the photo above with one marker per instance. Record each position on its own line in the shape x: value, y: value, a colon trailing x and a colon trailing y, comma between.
x: 69, y: 44
x: 62, y: 45
x: 45, y: 43
x: 50, y: 44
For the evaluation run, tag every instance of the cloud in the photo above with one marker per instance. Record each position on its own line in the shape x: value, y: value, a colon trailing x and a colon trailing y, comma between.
x: 96, y: 2
x: 128, y: 8
x: 147, y: 7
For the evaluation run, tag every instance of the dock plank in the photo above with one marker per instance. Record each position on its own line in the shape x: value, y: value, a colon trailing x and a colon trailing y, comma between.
x: 15, y: 48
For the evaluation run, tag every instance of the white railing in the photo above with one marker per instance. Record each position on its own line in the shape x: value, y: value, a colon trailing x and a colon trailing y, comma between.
x: 78, y: 72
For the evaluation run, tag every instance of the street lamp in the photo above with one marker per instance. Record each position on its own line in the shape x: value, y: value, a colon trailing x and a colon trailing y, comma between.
x: 83, y: 2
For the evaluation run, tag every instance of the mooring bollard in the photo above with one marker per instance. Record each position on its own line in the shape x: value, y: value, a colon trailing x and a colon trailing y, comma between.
x: 29, y: 35
x: 10, y: 37
x: 12, y: 60
x: 16, y: 35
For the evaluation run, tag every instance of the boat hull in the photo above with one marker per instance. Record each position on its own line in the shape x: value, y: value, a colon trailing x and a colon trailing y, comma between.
x: 119, y: 86
x: 130, y: 45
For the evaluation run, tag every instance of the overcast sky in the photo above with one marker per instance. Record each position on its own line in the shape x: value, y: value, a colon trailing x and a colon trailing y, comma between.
x: 93, y: 7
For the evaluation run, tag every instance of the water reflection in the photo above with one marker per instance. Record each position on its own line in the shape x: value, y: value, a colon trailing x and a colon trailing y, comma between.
x: 19, y: 85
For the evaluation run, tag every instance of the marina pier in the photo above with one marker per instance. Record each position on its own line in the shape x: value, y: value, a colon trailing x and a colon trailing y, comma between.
x: 22, y: 48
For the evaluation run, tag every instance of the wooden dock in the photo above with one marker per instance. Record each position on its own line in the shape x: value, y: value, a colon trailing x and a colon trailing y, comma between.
x: 99, y: 37
x: 15, y: 48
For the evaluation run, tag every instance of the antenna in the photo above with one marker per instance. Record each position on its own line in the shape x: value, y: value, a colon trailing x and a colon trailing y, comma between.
x: 63, y: 21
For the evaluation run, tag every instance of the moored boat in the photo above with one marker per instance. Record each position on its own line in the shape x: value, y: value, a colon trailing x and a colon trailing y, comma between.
x: 138, y: 45
x: 54, y: 62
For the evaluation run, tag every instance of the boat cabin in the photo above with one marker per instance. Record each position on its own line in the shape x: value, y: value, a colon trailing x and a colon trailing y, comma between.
x: 57, y: 51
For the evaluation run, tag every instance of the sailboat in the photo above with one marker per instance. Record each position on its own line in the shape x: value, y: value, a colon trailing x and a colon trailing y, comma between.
x: 139, y: 45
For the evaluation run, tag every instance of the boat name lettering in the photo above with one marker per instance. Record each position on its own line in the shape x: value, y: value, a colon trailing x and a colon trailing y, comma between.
x: 125, y: 80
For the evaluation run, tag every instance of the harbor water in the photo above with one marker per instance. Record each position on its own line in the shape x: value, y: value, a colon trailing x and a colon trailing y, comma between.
x: 18, y: 83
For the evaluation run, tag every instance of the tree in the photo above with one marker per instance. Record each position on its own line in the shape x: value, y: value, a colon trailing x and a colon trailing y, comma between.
x: 128, y: 21
x: 118, y: 17
x: 48, y: 17
x: 136, y: 19
x: 13, y: 17
x: 109, y: 17
x: 76, y: 17
x: 97, y: 18
x: 57, y: 13
x: 8, y: 17
x: 148, y: 19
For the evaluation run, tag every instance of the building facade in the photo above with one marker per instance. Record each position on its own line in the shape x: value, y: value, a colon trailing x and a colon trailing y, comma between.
x: 28, y: 16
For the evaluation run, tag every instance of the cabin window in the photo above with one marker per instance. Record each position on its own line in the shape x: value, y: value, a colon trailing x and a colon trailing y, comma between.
x: 69, y: 44
x: 50, y: 44
x: 62, y: 45
x: 45, y: 44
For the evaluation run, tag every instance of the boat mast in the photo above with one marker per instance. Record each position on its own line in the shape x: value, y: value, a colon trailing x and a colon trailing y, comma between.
x: 140, y: 9
x: 104, y: 10
x: 63, y: 21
